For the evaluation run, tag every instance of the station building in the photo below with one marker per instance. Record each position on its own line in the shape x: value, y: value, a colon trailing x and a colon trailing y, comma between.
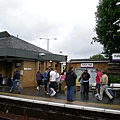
x: 90, y: 64
x: 28, y: 58
x: 102, y: 64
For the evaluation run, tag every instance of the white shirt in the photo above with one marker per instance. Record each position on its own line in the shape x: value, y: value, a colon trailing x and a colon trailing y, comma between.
x: 57, y: 77
x: 53, y: 74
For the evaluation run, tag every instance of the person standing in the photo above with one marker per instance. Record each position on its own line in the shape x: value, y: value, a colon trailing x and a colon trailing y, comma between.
x: 81, y: 84
x: 46, y: 78
x: 104, y: 87
x: 52, y: 82
x: 62, y: 79
x: 57, y: 81
x: 85, y: 77
x: 16, y: 81
x: 62, y: 76
x: 70, y: 82
x: 48, y: 85
x: 98, y: 77
x: 39, y: 78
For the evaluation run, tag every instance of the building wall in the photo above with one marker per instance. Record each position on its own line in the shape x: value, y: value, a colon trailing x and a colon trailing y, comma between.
x: 53, y: 65
x: 28, y: 70
x: 3, y: 70
x: 29, y: 73
x: 100, y: 65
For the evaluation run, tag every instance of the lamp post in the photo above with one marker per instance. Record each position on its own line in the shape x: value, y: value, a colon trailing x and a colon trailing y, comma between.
x: 48, y: 41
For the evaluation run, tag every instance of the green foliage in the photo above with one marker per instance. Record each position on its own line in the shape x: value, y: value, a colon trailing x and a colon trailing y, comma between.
x: 107, y: 35
x: 115, y: 79
x: 97, y: 56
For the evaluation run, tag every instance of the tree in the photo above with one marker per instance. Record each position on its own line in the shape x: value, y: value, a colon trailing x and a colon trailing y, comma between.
x: 97, y: 56
x: 107, y: 35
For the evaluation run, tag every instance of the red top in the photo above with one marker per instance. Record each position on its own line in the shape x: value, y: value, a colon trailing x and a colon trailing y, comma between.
x: 62, y: 77
x: 98, y: 76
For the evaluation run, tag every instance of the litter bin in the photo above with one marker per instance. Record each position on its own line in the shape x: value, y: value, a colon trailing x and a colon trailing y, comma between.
x: 0, y: 79
x: 4, y: 81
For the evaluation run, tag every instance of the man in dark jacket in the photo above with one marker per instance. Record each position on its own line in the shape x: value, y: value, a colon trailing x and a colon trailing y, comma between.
x: 70, y: 82
x: 85, y: 76
x: 16, y: 81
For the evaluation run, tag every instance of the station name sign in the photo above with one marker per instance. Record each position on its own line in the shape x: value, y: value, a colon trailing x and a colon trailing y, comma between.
x: 86, y: 65
x: 116, y: 57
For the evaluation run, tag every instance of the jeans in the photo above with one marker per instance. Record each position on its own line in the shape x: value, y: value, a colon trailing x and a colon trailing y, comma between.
x: 86, y: 87
x: 98, y: 87
x: 70, y: 91
x: 81, y: 88
x: 48, y: 90
x: 15, y: 82
x: 45, y: 84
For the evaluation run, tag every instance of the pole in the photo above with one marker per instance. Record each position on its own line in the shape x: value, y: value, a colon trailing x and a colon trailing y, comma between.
x: 48, y: 41
x: 47, y: 44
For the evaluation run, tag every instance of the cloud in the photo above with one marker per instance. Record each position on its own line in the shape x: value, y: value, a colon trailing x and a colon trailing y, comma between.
x: 70, y: 21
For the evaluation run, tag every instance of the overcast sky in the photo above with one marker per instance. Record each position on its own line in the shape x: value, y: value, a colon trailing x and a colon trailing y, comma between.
x: 72, y: 22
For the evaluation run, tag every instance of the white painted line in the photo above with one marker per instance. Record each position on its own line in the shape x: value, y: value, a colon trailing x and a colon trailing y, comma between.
x: 40, y: 102
x: 3, y: 96
x: 14, y: 98
x: 56, y: 104
x: 27, y: 100
x: 74, y: 106
x: 94, y: 109
x: 112, y: 111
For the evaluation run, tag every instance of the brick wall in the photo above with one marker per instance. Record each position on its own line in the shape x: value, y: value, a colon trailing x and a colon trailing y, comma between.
x: 100, y: 65
x: 29, y: 73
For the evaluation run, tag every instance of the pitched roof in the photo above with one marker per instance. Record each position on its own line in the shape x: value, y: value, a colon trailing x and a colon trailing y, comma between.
x: 9, y: 41
x: 14, y: 48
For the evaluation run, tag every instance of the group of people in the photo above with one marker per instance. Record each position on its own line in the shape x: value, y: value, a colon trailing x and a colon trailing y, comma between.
x: 102, y: 85
x: 51, y: 79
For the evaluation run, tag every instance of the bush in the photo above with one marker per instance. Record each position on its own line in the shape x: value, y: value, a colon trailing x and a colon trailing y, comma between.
x: 115, y: 79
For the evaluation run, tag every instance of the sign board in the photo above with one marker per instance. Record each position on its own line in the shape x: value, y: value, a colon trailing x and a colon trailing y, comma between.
x: 86, y: 65
x: 91, y: 71
x: 27, y: 68
x: 116, y: 57
x: 21, y: 72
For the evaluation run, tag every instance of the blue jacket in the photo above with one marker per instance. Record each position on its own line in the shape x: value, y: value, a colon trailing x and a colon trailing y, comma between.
x: 45, y: 75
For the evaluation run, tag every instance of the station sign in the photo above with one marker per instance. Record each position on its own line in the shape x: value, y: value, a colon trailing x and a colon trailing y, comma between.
x: 116, y: 57
x: 86, y: 65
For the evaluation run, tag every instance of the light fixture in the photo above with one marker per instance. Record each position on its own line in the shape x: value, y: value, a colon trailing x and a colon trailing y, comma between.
x: 41, y: 54
x: 50, y: 61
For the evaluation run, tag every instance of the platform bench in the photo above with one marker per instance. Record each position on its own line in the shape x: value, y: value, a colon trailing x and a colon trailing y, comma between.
x: 115, y: 87
x: 93, y: 88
